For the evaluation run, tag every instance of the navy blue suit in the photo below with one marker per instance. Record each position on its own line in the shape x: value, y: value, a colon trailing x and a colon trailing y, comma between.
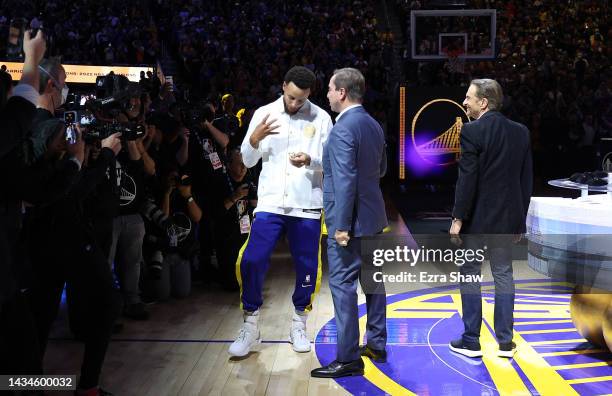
x: 353, y: 162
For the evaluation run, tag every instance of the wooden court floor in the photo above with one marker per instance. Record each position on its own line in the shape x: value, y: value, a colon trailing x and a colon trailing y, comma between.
x: 182, y: 349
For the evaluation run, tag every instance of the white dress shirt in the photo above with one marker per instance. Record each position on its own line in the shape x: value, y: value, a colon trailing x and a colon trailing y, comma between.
x: 345, y: 110
x: 283, y: 188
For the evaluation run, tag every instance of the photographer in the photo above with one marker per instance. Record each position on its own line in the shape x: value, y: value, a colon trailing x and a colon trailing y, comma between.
x: 63, y: 250
x: 134, y: 111
x: 121, y: 195
x: 143, y: 144
x: 18, y: 346
x: 133, y: 115
x: 171, y: 150
x: 176, y: 241
x: 206, y: 159
x: 206, y: 153
x: 61, y: 247
x: 128, y: 227
x: 49, y: 165
x: 41, y: 169
x: 234, y: 197
x: 101, y: 205
x: 220, y: 138
x: 164, y: 97
x: 228, y: 123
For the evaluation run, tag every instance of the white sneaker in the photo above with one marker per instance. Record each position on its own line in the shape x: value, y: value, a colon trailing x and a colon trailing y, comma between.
x: 248, y: 336
x: 297, y: 334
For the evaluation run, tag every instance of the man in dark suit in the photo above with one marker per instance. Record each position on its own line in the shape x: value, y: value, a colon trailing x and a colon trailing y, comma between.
x: 353, y: 162
x: 18, y: 346
x: 492, y: 197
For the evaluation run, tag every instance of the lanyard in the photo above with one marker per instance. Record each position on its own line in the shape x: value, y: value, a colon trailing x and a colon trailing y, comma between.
x: 232, y: 189
x: 200, y: 140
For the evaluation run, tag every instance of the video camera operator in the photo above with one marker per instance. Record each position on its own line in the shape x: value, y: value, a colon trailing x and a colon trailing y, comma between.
x: 115, y: 208
x: 128, y: 180
x: 134, y: 111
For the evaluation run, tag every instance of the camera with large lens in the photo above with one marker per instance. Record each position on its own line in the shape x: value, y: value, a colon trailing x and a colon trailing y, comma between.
x: 194, y: 115
x: 112, y: 95
x: 100, y: 130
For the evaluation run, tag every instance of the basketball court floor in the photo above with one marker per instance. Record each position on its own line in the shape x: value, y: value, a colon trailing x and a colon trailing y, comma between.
x: 182, y: 349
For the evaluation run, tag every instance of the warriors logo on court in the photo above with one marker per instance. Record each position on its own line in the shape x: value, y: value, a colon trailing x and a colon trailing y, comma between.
x: 552, y: 356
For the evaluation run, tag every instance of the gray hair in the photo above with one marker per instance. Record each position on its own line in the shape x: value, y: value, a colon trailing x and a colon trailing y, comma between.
x: 352, y: 81
x: 489, y: 89
x: 50, y: 68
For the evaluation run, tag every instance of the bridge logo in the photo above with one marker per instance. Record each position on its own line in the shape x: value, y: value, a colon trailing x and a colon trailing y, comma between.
x: 444, y: 149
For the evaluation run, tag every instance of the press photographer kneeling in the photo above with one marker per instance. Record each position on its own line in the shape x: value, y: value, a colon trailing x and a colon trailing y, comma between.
x: 171, y: 238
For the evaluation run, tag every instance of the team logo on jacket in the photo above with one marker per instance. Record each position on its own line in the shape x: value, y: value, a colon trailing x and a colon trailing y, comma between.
x: 309, y: 131
x: 552, y: 357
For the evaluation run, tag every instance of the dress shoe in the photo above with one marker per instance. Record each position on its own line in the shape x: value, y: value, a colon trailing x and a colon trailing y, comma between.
x: 377, y: 355
x: 337, y: 369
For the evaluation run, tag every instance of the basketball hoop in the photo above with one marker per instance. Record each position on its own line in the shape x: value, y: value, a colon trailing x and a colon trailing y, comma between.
x: 456, y: 62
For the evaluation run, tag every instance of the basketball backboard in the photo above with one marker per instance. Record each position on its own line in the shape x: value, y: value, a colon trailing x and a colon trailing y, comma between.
x: 435, y: 33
